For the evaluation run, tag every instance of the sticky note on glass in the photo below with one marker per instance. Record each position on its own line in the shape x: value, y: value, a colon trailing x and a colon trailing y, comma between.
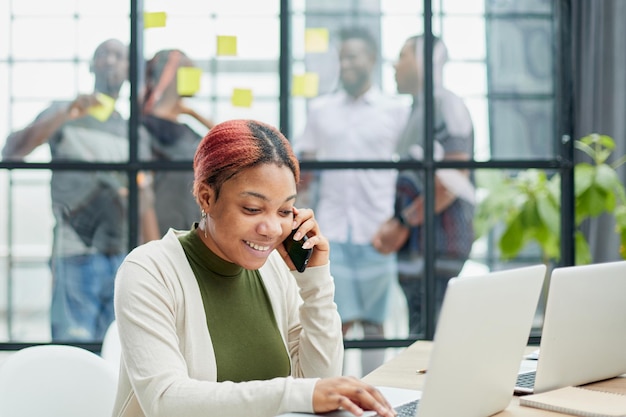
x: 154, y: 20
x: 102, y: 111
x: 227, y: 45
x: 305, y: 85
x: 316, y: 40
x: 242, y: 97
x: 188, y: 81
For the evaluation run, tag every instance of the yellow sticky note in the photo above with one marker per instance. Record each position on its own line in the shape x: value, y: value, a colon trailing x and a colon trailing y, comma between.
x: 242, y: 97
x: 227, y: 45
x: 316, y: 40
x: 188, y: 81
x: 305, y: 85
x: 103, y: 111
x: 154, y: 20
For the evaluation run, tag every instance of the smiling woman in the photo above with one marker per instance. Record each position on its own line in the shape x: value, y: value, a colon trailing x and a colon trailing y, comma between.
x: 221, y: 309
x: 252, y: 215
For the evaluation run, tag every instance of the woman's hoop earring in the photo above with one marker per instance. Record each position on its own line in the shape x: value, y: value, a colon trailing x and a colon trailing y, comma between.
x: 204, y: 223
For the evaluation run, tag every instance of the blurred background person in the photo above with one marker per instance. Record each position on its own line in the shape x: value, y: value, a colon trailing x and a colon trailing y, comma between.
x: 171, y: 139
x: 357, y: 122
x: 90, y: 207
x: 454, y: 191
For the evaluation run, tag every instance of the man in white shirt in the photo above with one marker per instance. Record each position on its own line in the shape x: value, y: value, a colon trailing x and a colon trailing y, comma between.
x: 356, y: 123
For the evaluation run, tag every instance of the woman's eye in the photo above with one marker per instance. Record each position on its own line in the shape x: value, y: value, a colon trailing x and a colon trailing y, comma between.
x: 251, y: 210
x: 286, y: 212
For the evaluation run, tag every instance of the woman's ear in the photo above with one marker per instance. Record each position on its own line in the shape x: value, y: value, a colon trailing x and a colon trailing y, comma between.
x: 206, y: 197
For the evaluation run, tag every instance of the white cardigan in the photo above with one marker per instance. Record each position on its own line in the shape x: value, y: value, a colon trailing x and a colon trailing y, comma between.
x: 168, y: 363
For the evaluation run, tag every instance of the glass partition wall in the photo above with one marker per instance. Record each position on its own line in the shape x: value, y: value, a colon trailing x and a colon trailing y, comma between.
x: 269, y: 60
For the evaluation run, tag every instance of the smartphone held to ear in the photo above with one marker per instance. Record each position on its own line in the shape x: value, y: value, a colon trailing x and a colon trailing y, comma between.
x: 298, y: 255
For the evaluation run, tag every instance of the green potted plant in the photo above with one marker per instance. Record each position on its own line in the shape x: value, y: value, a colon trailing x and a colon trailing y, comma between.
x: 527, y: 205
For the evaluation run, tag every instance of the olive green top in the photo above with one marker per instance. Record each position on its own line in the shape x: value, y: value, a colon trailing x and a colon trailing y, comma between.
x: 239, y: 315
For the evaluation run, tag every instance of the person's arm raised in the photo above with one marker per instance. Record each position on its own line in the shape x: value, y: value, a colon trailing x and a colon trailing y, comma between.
x: 21, y: 143
x: 183, y: 109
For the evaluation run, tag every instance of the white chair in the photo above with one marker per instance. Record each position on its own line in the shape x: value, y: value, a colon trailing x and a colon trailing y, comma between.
x: 56, y: 381
x: 111, y: 347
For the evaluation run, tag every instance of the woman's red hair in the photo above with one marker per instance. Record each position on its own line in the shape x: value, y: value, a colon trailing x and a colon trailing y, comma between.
x: 234, y: 145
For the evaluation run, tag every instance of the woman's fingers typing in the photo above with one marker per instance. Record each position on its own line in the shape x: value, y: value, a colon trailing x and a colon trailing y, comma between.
x: 350, y: 394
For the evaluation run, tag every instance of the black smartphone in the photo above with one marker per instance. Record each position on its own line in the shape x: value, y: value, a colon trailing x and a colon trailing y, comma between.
x: 299, y: 256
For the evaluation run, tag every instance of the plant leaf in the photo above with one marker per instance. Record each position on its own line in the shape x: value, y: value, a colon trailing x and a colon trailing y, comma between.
x: 591, y: 203
x: 620, y: 217
x: 583, y: 177
x: 554, y: 189
x: 606, y: 142
x: 551, y: 247
x: 606, y: 178
x: 495, y: 205
x: 529, y: 214
x: 584, y: 146
x: 512, y: 240
x: 583, y: 255
x: 549, y: 214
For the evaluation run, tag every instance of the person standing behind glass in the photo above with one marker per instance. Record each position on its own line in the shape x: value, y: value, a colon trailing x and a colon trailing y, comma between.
x: 90, y: 234
x: 357, y: 122
x: 454, y: 191
x: 170, y: 140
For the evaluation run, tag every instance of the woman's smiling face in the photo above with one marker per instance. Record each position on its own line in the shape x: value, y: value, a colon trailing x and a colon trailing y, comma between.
x: 252, y: 215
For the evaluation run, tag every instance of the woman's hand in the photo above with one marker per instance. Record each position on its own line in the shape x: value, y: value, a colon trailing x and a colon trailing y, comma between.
x: 350, y: 394
x: 304, y: 221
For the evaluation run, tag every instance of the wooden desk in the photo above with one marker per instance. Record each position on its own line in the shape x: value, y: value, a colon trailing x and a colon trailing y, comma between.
x: 401, y: 372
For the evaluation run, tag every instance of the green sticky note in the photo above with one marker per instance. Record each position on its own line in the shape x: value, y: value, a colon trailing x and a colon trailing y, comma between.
x: 154, y: 20
x: 188, y: 81
x: 102, y: 111
x: 227, y: 45
x: 316, y: 40
x: 242, y: 97
x: 305, y: 85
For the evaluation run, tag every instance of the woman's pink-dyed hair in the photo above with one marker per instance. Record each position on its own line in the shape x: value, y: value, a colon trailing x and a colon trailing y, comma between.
x: 234, y: 145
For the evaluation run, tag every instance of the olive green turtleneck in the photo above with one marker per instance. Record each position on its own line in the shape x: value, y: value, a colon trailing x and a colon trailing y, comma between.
x: 247, y: 343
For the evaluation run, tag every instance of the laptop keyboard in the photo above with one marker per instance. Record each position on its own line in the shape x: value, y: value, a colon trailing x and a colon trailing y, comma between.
x: 526, y: 380
x: 406, y: 410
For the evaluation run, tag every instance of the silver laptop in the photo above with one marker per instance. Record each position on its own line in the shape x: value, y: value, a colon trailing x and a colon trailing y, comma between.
x: 584, y: 329
x: 481, y: 336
